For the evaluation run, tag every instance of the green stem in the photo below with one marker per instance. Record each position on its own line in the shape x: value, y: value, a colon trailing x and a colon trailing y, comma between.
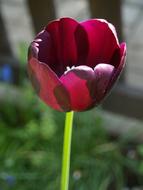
x: 66, y: 151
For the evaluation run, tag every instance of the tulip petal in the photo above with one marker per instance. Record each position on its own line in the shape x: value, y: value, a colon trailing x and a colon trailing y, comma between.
x: 103, y: 74
x: 75, y: 81
x: 87, y: 87
x: 102, y: 41
x: 115, y: 60
x: 62, y: 34
x: 121, y: 63
x: 44, y: 46
x: 82, y: 45
x: 45, y: 51
x: 48, y: 86
x: 123, y: 52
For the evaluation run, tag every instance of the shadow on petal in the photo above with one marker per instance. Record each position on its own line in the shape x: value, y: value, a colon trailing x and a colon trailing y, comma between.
x: 62, y: 97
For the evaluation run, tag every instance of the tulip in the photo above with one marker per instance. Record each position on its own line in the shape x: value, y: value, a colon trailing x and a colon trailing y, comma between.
x: 73, y: 65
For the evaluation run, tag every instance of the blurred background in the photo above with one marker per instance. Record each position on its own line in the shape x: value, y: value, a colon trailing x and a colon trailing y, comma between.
x: 107, y: 149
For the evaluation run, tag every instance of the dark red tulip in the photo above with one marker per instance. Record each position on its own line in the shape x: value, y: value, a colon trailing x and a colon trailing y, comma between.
x: 74, y: 65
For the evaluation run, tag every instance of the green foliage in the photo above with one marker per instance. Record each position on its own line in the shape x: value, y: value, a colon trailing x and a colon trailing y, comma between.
x: 31, y: 137
x: 23, y: 48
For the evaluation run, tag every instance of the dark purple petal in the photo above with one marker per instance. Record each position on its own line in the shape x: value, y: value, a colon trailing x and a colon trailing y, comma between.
x: 121, y: 64
x: 48, y: 85
x: 44, y: 51
x: 103, y: 74
x: 53, y: 30
x: 75, y: 81
x: 115, y: 60
x: 102, y: 41
x: 62, y: 34
x: 82, y: 45
x: 123, y: 53
x: 44, y: 45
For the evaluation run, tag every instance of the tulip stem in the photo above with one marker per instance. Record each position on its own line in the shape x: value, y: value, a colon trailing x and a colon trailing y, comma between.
x: 66, y: 151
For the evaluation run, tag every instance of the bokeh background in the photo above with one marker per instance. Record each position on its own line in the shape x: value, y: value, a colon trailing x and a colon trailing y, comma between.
x: 107, y: 150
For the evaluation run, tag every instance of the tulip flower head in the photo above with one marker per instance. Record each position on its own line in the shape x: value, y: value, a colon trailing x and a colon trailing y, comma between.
x: 73, y: 65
